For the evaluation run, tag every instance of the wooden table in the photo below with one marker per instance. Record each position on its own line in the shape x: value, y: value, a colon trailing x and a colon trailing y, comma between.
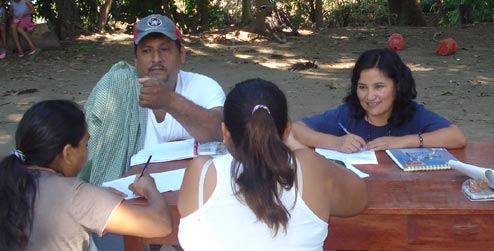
x: 406, y: 210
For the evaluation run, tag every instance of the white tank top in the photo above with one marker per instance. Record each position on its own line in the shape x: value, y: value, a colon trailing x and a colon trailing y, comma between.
x: 225, y: 223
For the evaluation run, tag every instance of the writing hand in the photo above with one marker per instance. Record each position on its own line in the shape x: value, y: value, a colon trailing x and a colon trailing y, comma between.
x: 351, y: 143
x: 154, y: 94
x: 142, y: 185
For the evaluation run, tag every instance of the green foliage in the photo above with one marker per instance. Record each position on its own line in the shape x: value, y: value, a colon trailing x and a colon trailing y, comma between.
x: 483, y: 10
x: 88, y: 11
x: 224, y: 13
x: 343, y: 13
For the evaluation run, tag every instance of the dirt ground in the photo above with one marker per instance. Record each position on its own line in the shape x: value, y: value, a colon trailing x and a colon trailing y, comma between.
x: 460, y: 86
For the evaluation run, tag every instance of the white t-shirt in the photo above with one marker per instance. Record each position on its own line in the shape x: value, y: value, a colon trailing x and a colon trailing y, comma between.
x: 201, y: 90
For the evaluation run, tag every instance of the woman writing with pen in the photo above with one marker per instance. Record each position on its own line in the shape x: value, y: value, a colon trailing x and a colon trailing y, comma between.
x: 44, y: 206
x: 379, y: 112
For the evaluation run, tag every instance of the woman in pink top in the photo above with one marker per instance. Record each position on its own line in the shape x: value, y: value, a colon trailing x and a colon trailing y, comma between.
x: 3, y: 34
x: 21, y: 12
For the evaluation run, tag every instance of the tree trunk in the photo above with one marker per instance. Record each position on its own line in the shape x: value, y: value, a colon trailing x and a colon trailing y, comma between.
x: 318, y: 14
x: 103, y: 16
x: 408, y: 12
x: 203, y: 13
x: 312, y: 10
x: 246, y: 12
x: 258, y: 25
x: 69, y: 22
x: 466, y: 13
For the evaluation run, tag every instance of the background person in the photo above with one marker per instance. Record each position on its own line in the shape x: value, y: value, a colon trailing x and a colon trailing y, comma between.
x: 45, y: 207
x: 3, y: 33
x: 21, y: 12
x: 263, y: 196
x: 379, y: 112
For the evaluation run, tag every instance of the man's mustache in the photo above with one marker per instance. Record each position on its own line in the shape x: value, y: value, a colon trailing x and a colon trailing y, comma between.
x: 157, y: 67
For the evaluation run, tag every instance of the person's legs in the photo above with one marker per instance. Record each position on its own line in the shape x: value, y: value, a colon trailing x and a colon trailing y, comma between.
x: 21, y: 29
x: 3, y: 36
x: 15, y: 36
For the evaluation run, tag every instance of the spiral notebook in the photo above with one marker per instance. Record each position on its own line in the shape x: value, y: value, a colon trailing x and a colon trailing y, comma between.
x: 421, y: 159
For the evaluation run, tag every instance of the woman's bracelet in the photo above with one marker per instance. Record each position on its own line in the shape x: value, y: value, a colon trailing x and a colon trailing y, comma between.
x: 421, y: 140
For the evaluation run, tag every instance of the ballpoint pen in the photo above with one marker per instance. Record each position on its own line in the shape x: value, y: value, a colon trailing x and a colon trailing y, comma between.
x: 146, y: 165
x: 347, y: 132
x: 343, y: 128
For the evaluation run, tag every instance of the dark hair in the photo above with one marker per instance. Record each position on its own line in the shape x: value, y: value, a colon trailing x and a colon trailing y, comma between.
x: 155, y: 35
x: 41, y: 135
x: 391, y: 65
x: 259, y: 148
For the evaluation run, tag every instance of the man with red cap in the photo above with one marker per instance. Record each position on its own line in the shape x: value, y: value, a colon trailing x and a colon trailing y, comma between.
x: 132, y: 108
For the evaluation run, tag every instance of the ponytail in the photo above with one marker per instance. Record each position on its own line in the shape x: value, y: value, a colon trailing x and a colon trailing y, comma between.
x: 17, y: 195
x: 255, y: 113
x: 41, y: 135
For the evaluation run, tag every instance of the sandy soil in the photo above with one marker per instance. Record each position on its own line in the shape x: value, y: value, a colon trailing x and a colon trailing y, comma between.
x: 460, y: 86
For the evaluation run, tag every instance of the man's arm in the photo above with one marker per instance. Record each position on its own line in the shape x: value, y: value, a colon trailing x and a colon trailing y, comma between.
x: 202, y: 124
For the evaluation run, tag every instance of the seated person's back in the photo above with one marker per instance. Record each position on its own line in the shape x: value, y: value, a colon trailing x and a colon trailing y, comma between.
x: 262, y: 196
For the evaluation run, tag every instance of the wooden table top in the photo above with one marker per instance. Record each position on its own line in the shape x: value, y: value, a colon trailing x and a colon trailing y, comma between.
x: 401, y: 204
x: 392, y: 190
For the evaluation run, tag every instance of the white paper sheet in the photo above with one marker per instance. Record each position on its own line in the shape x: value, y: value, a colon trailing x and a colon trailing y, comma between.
x: 163, y: 152
x: 356, y: 170
x: 350, y: 159
x: 361, y: 157
x: 165, y: 181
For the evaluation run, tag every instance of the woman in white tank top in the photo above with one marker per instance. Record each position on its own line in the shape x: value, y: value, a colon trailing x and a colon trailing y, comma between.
x: 263, y: 195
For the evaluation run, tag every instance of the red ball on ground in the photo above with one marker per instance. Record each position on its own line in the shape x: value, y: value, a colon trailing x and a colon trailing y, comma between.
x: 396, y: 42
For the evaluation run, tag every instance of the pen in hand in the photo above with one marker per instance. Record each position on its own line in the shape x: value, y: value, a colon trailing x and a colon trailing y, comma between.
x: 146, y: 165
x: 347, y: 132
x: 343, y: 128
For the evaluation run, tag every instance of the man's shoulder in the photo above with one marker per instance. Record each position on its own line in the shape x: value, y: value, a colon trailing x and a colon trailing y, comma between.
x: 122, y: 67
x: 196, y: 77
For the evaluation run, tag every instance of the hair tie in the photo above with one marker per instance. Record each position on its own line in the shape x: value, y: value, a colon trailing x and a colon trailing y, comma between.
x: 260, y: 106
x: 19, y: 154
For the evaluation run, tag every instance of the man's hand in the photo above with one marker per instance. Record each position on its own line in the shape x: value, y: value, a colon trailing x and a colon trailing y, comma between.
x: 155, y: 94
